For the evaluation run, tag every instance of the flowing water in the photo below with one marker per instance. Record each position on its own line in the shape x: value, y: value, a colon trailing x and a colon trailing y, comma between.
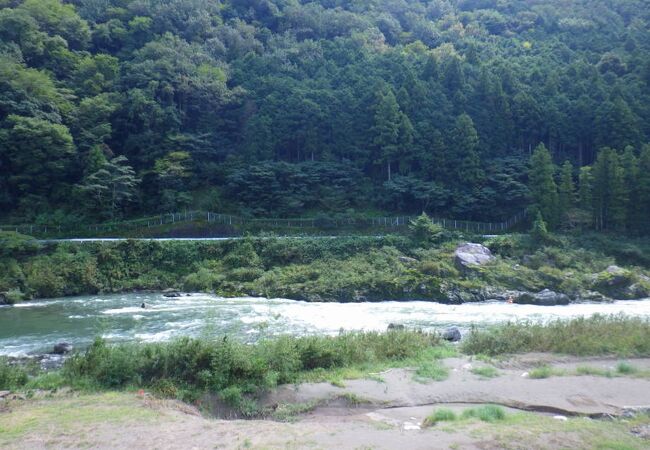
x: 34, y: 327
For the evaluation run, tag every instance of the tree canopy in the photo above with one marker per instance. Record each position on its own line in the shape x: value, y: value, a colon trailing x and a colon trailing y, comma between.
x: 279, y: 106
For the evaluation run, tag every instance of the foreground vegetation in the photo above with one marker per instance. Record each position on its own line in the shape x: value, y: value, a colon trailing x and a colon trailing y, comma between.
x: 417, y: 265
x: 238, y: 373
x: 117, y: 419
x: 598, y: 335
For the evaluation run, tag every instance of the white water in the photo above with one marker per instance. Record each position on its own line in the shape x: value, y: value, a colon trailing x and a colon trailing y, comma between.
x: 36, y: 326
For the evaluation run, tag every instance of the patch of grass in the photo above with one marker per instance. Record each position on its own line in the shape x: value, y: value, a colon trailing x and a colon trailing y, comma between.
x: 287, y: 412
x: 375, y: 377
x: 49, y: 381
x: 440, y: 415
x: 594, y: 371
x: 486, y: 413
x: 613, y: 445
x: 485, y: 372
x: 540, y: 372
x: 372, y: 370
x: 531, y: 430
x: 431, y: 370
x: 353, y: 399
x: 71, y: 413
x: 625, y: 368
x: 597, y: 335
x: 12, y: 377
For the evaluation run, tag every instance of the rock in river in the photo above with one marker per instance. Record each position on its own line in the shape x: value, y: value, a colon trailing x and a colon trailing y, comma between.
x: 62, y: 348
x: 543, y: 298
x: 470, y: 255
x: 171, y: 293
x: 451, y: 334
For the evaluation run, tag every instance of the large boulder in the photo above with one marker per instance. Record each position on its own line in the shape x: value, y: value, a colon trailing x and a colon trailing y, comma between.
x: 469, y: 256
x: 456, y: 296
x: 542, y: 298
x: 615, y: 276
x: 593, y: 296
x: 171, y: 293
x: 62, y: 348
x: 451, y: 334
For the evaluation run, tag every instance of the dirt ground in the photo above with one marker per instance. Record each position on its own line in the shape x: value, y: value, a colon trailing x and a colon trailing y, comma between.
x: 565, y: 410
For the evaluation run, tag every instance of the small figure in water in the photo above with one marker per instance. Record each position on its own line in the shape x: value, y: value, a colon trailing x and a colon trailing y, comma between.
x: 510, y: 300
x: 143, y: 305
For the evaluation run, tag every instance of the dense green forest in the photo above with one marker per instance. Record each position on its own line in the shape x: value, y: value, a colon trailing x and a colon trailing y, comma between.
x: 114, y: 108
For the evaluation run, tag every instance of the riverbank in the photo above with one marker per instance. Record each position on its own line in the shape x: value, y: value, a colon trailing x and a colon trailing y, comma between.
x: 387, y: 389
x: 588, y: 403
x: 239, y: 374
x: 345, y: 269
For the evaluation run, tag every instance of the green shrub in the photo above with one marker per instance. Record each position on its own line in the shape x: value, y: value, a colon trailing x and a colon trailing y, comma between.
x: 506, y: 245
x: 485, y: 372
x: 625, y: 368
x: 13, y: 296
x: 486, y: 413
x: 203, y: 280
x: 16, y: 245
x: 11, y: 377
x: 588, y: 370
x: 438, y: 269
x: 540, y: 372
x: 242, y: 255
x: 439, y: 415
x: 431, y: 370
x: 47, y: 381
x: 245, y: 274
x: 423, y: 231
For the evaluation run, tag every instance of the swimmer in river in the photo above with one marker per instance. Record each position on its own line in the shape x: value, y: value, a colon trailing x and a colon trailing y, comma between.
x: 143, y: 305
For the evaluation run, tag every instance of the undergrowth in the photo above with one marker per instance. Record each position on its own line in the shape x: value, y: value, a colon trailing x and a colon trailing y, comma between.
x: 596, y: 335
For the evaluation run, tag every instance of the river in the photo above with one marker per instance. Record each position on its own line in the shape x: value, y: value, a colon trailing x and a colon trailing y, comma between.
x: 34, y: 327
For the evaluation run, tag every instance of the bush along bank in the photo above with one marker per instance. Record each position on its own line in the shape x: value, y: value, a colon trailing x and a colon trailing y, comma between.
x: 428, y: 265
x: 234, y: 373
x: 237, y: 375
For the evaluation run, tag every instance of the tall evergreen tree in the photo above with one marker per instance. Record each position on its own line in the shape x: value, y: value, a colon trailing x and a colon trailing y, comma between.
x: 391, y: 128
x: 609, y: 197
x: 542, y: 184
x: 629, y: 165
x: 643, y: 186
x: 465, y: 160
x: 585, y: 188
x: 566, y: 191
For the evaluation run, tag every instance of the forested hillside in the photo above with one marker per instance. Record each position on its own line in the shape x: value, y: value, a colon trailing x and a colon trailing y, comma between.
x: 114, y: 108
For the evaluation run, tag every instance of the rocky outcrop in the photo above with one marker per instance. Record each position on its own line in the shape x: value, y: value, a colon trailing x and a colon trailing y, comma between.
x: 171, y: 293
x: 451, y: 334
x: 62, y: 348
x: 456, y: 296
x: 542, y: 298
x: 618, y: 283
x: 469, y: 256
x: 616, y: 276
x: 593, y: 296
